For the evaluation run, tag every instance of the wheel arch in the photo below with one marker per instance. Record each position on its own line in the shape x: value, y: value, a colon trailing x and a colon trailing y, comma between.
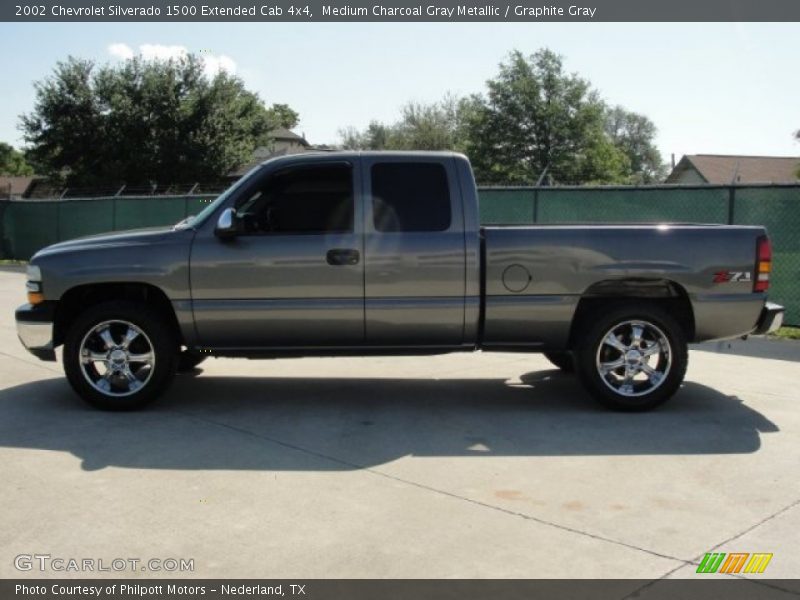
x: 77, y: 299
x: 603, y: 295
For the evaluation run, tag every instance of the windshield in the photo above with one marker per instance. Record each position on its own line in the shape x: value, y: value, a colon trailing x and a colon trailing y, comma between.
x: 198, y: 220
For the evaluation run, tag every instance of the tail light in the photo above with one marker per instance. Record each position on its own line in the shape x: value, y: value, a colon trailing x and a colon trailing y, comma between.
x: 763, y: 264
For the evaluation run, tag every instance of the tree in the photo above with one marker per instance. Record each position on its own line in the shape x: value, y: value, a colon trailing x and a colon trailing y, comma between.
x: 284, y: 116
x: 145, y: 121
x: 375, y: 137
x: 12, y: 162
x: 435, y: 126
x: 634, y: 135
x: 537, y: 120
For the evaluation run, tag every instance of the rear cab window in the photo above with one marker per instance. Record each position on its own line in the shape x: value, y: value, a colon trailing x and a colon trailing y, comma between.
x: 408, y: 197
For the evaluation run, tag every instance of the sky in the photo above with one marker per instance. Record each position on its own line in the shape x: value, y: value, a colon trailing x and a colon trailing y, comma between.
x: 716, y: 88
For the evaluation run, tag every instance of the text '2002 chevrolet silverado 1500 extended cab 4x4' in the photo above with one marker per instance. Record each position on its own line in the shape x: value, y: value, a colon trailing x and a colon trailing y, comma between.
x: 382, y: 253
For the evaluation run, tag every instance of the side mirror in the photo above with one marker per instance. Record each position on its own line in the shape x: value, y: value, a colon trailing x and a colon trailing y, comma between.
x: 226, y: 225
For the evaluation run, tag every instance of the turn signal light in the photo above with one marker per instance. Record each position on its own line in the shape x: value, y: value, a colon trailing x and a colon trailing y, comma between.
x: 763, y: 264
x: 35, y: 295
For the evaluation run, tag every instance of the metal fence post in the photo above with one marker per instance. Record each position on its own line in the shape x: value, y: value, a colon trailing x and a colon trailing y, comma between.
x: 731, y: 204
x: 58, y: 220
x: 536, y: 205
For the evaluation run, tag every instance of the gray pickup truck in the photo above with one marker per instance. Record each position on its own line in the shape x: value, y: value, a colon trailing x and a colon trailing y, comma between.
x: 382, y: 253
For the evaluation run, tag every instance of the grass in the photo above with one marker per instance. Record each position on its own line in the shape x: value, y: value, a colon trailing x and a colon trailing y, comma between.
x: 8, y: 261
x: 787, y: 333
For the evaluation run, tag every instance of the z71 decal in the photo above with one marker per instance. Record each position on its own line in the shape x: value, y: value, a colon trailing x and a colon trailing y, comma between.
x: 731, y: 276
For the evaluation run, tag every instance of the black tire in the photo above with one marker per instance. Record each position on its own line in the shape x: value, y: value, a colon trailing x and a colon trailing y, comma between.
x: 122, y: 393
x: 187, y: 361
x: 562, y: 360
x: 632, y: 395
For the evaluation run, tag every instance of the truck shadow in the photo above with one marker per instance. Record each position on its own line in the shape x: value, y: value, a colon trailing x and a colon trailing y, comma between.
x: 342, y: 424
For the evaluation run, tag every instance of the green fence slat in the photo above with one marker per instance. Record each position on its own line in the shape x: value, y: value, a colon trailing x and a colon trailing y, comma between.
x: 137, y: 213
x: 506, y: 206
x: 642, y: 205
x: 29, y: 226
x: 78, y: 218
x: 195, y: 205
x: 778, y: 209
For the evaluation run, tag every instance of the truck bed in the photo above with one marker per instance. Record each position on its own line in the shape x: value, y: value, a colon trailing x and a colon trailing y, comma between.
x: 535, y: 275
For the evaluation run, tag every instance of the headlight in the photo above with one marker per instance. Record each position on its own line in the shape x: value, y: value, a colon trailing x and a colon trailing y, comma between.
x: 34, y: 285
x: 34, y: 273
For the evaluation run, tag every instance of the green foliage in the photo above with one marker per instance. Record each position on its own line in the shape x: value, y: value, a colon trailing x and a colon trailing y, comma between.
x: 144, y: 121
x: 283, y: 116
x: 536, y: 117
x: 635, y: 135
x: 375, y: 137
x: 12, y: 162
x: 437, y: 126
x: 535, y: 122
x: 787, y: 333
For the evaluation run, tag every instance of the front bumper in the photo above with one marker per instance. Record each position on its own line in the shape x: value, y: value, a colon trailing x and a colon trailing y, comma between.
x: 770, y: 320
x: 35, y: 329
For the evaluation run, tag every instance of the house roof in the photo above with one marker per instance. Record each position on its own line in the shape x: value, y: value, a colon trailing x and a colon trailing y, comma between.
x: 283, y: 134
x: 16, y: 185
x: 263, y: 153
x: 260, y: 154
x: 725, y: 169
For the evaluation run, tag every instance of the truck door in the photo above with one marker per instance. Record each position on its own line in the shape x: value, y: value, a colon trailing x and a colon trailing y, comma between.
x: 294, y: 275
x: 415, y: 251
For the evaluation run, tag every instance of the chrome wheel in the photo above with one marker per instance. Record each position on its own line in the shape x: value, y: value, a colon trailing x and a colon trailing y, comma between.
x: 634, y: 358
x: 117, y: 358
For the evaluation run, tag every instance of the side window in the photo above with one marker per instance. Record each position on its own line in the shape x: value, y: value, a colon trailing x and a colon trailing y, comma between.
x: 300, y: 200
x: 410, y: 197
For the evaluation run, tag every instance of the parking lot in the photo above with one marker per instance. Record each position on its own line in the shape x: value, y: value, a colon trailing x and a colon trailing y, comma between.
x: 456, y: 466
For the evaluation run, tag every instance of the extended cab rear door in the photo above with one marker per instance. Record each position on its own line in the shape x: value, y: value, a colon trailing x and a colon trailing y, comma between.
x: 414, y: 248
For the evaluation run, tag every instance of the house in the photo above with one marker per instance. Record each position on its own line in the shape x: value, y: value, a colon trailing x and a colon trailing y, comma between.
x: 14, y: 187
x: 726, y: 169
x: 283, y: 142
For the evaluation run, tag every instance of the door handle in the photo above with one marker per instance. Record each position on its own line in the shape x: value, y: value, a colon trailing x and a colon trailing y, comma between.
x: 342, y: 256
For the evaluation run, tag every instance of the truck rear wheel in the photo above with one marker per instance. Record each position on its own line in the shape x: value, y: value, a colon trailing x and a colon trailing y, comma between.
x: 633, y: 358
x: 120, y: 355
x: 562, y: 360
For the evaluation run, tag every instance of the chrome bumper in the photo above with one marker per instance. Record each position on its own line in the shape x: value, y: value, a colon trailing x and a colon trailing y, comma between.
x: 770, y: 320
x: 35, y: 331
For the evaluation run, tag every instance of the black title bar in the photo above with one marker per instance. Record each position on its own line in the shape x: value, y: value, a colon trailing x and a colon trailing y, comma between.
x: 400, y: 11
x: 712, y: 588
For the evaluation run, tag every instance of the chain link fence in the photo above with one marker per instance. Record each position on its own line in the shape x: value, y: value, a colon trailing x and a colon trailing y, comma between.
x: 30, y: 225
x: 777, y: 207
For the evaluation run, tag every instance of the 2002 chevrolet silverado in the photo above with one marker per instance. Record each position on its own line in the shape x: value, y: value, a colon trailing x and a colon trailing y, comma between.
x: 382, y: 253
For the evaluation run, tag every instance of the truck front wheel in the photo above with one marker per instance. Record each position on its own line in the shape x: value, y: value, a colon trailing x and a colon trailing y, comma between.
x: 633, y: 358
x: 120, y: 355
